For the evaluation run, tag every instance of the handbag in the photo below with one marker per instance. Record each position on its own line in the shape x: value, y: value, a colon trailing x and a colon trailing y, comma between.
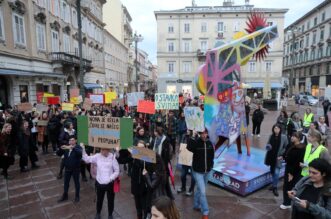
x: 117, y: 183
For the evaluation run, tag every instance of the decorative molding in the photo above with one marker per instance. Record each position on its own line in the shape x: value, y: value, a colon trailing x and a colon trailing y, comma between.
x: 55, y: 25
x: 66, y: 29
x: 91, y: 44
x: 17, y: 6
x: 84, y: 39
x: 40, y: 17
x: 75, y: 36
x: 1, y: 1
x: 96, y: 46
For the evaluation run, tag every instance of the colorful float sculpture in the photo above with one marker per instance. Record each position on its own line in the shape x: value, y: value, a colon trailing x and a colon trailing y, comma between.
x: 219, y: 79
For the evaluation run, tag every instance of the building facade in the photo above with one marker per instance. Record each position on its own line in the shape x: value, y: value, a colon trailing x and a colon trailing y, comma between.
x: 307, y: 51
x: 116, y: 64
x: 39, y: 49
x: 184, y: 36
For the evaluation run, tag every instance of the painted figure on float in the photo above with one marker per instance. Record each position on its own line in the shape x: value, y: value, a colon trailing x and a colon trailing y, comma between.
x: 219, y: 79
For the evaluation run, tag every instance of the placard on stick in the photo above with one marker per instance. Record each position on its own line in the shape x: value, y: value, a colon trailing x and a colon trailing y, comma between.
x: 144, y: 154
x: 24, y: 107
x: 133, y: 98
x: 145, y: 106
x: 194, y: 118
x: 41, y: 108
x: 185, y: 156
x: 74, y: 92
x: 166, y: 101
x: 67, y: 106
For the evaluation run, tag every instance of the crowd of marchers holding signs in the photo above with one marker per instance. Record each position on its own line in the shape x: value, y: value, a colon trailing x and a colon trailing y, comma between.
x: 157, y: 136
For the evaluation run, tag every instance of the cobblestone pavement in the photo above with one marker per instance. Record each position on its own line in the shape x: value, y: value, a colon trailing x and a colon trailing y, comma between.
x: 34, y: 194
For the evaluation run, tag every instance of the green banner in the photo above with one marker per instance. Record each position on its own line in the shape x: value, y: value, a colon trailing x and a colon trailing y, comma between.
x: 82, y: 132
x: 126, y: 133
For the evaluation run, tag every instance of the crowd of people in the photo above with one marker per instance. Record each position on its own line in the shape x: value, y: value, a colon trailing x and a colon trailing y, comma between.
x: 299, y: 143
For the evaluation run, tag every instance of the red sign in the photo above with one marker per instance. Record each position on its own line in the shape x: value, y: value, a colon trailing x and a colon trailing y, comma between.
x: 53, y: 100
x: 224, y: 96
x: 145, y: 106
x: 40, y: 97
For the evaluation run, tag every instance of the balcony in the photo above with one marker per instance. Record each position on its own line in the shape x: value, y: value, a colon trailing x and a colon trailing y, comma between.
x: 70, y: 59
x: 201, y: 55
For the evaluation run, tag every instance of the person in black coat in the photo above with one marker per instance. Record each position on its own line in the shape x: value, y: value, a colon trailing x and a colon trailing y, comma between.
x: 293, y: 157
x: 72, y: 158
x: 257, y: 119
x: 247, y: 110
x: 53, y: 129
x: 26, y: 148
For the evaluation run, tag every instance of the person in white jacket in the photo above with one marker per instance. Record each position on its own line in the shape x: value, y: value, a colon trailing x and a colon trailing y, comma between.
x: 107, y: 172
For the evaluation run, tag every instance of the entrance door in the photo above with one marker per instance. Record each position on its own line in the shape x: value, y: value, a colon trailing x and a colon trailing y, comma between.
x: 3, y: 92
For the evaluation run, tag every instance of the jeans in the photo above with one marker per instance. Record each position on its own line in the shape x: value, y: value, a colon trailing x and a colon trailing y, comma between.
x: 67, y: 176
x: 101, y: 190
x: 288, y: 186
x: 200, y: 199
x: 275, y: 177
x: 141, y: 205
x: 184, y: 173
x: 181, y: 137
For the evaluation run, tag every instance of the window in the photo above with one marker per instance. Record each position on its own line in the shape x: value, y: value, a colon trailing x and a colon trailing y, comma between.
x: 268, y: 66
x: 76, y: 48
x: 328, y: 50
x: 170, y: 28
x: 186, y: 46
x: 74, y: 18
x: 171, y: 67
x: 252, y: 67
x: 66, y: 43
x: 322, y: 35
x: 54, y: 7
x: 19, y: 29
x: 24, y: 93
x: 314, y: 37
x: 203, y: 45
x: 305, y: 56
x: 301, y: 44
x: 41, y: 38
x: 203, y: 27
x: 186, y: 28
x: 2, y: 30
x: 320, y: 52
x: 220, y: 27
x: 65, y: 11
x: 41, y: 3
x: 312, y: 55
x: 236, y: 26
x: 307, y: 40
x: 171, y: 46
x: 303, y: 28
x: 323, y: 17
x: 187, y: 67
x: 308, y: 25
x: 315, y: 21
x: 55, y: 41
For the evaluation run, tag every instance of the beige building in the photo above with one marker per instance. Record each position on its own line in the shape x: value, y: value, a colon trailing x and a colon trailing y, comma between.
x: 184, y: 36
x: 116, y: 64
x: 307, y: 50
x: 39, y: 47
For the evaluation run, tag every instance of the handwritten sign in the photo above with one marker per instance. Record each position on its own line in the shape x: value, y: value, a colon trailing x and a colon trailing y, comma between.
x: 133, y: 98
x: 109, y: 96
x: 76, y: 100
x: 41, y: 108
x: 24, y: 107
x: 67, y: 106
x: 166, y: 101
x: 42, y: 122
x: 145, y: 106
x: 97, y: 98
x: 194, y: 118
x: 74, y: 92
x: 87, y: 104
x: 144, y: 154
x: 185, y: 156
x: 104, y: 132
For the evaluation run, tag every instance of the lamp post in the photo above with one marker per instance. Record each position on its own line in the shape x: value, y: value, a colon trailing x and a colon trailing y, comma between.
x: 292, y: 31
x: 137, y: 38
x: 81, y: 69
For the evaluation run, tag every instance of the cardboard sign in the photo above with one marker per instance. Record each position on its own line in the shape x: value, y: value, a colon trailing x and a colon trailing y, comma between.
x: 133, y: 98
x: 53, y: 100
x: 76, y: 100
x: 145, y: 106
x: 104, y: 131
x: 109, y: 96
x: 74, y: 92
x: 87, y: 104
x: 144, y: 154
x: 97, y: 98
x: 185, y: 156
x: 166, y: 101
x: 24, y: 107
x: 41, y: 108
x: 67, y: 106
x: 194, y: 119
x: 42, y: 122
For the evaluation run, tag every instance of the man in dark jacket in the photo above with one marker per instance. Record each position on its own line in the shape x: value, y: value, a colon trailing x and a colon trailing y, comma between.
x: 72, y: 158
x: 202, y: 163
x: 257, y: 119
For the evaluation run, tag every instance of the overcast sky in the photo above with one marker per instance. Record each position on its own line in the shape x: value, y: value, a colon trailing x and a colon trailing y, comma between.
x: 143, y: 19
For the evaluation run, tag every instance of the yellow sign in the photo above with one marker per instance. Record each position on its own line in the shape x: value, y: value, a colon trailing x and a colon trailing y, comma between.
x: 76, y: 100
x: 109, y: 96
x: 48, y: 95
x: 67, y: 106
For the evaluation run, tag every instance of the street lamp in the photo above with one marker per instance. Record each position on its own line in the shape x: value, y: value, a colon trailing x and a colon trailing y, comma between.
x: 136, y: 38
x: 292, y: 31
x: 81, y: 69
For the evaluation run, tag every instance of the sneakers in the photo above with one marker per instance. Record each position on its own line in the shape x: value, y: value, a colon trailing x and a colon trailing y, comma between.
x: 285, y: 206
x: 180, y: 190
x: 189, y: 193
x: 258, y: 135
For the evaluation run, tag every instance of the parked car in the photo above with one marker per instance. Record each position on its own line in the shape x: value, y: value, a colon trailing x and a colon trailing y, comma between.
x: 308, y: 99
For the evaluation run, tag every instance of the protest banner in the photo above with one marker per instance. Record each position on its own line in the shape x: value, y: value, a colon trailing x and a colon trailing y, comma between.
x: 185, y: 156
x: 166, y: 101
x: 74, y: 92
x: 41, y: 108
x: 82, y: 132
x: 87, y: 104
x: 97, y: 98
x: 24, y: 107
x: 194, y: 119
x: 76, y: 100
x: 133, y: 98
x: 39, y: 96
x: 126, y: 133
x: 67, y: 106
x: 109, y: 96
x: 144, y: 154
x: 52, y: 100
x: 145, y: 106
x: 42, y: 122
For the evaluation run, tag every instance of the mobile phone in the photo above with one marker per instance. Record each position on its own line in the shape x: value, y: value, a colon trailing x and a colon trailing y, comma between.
x: 297, y: 199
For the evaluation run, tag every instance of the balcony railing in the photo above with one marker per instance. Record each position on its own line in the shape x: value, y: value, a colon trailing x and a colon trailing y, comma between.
x: 69, y: 59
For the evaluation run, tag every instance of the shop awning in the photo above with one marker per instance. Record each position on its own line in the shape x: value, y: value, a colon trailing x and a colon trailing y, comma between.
x: 261, y: 84
x: 92, y: 86
x: 4, y: 71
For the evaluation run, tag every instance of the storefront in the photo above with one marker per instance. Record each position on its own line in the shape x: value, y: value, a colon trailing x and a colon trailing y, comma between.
x: 315, y: 85
x: 257, y: 87
x: 170, y: 84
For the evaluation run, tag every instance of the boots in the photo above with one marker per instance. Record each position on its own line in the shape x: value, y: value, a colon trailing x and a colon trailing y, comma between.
x: 63, y: 198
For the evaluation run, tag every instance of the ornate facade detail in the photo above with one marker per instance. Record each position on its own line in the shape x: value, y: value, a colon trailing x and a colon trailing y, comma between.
x: 17, y: 6
x: 40, y: 17
x: 66, y: 30
x: 55, y: 25
x: 91, y: 44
